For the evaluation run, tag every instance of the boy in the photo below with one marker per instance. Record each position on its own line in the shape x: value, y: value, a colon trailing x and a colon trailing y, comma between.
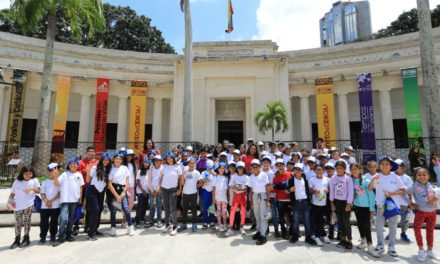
x: 50, y: 208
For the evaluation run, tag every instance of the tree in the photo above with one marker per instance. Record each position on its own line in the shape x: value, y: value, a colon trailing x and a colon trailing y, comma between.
x: 77, y: 12
x: 274, y: 118
x: 187, y: 93
x: 124, y: 30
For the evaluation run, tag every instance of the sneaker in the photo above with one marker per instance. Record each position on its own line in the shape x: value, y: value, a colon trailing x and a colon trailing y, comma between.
x: 130, y: 230
x: 253, y: 227
x: 42, y: 241
x: 363, y: 244
x: 379, y: 249
x: 421, y: 256
x: 261, y: 241
x: 204, y: 226
x: 148, y: 225
x: 243, y: 232
x: 174, y: 231
x: 58, y: 242
x: 277, y: 234
x: 331, y: 236
x: 52, y: 240
x: 194, y: 228
x: 293, y: 239
x: 348, y: 246
x: 220, y: 228
x: 285, y: 235
x: 405, y: 238
x: 92, y: 238
x: 432, y: 255
x: 166, y: 228
x: 97, y: 233
x: 310, y: 241
x: 318, y: 242
x: 113, y: 231
x: 373, y: 252
x: 75, y: 231
x: 341, y: 244
x: 387, y: 237
x: 229, y: 232
x: 325, y: 240
x: 392, y: 252
x: 212, y: 226
x: 159, y: 224
x: 256, y: 236
x: 181, y: 228
x: 70, y: 239
x: 123, y: 224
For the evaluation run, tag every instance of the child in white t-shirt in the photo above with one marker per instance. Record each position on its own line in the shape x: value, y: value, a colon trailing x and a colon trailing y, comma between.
x: 142, y: 193
x: 189, y: 183
x: 206, y: 195
x: 50, y: 207
x: 238, y: 185
x: 21, y: 201
x: 219, y: 195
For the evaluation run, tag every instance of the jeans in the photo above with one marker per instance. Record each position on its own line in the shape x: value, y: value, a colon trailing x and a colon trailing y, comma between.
x: 284, y: 212
x: 404, y: 223
x: 141, y: 208
x: 95, y: 205
x: 259, y: 202
x: 274, y: 208
x: 155, y: 206
x: 125, y: 211
x: 189, y: 200
x: 301, y: 207
x: 170, y: 203
x: 318, y: 213
x: 392, y: 226
x: 45, y: 215
x: 363, y: 222
x: 67, y: 212
x: 206, y: 203
x: 343, y: 219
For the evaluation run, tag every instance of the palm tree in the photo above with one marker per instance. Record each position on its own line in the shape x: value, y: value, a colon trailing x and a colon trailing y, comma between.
x: 274, y: 118
x: 78, y: 13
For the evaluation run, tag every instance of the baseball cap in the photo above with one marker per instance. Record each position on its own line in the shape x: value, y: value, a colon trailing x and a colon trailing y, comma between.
x: 210, y: 164
x: 255, y: 162
x: 250, y: 139
x: 189, y: 148
x: 221, y: 164
x: 223, y: 154
x: 266, y: 158
x: 399, y: 162
x: 236, y: 151
x: 299, y: 166
x: 279, y: 161
x: 278, y: 153
x: 393, y: 164
x: 260, y: 143
x: 52, y: 166
x: 147, y: 160
x: 322, y: 155
x: 349, y: 148
x: 106, y: 155
x: 329, y: 165
x: 345, y: 155
x: 311, y: 159
x: 157, y: 157
x: 73, y: 160
x: 129, y: 152
x: 240, y: 164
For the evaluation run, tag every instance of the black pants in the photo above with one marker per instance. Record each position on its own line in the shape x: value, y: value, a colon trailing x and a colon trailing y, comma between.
x: 95, y: 205
x: 45, y: 225
x: 363, y: 222
x: 141, y: 208
x: 343, y: 219
x: 318, y: 213
x: 284, y: 211
x: 189, y: 201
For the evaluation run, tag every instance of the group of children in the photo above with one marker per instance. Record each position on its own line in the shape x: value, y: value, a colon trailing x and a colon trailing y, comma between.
x: 273, y: 189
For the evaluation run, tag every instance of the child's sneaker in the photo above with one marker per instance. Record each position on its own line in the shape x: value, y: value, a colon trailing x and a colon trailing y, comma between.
x: 130, y: 230
x: 348, y: 246
x: 204, y: 226
x: 123, y: 224
x: 148, y: 225
x: 405, y: 238
x: 113, y: 231
x: 373, y: 252
x: 363, y: 244
x: 341, y: 244
x: 325, y: 239
x: 379, y: 249
x: 166, y: 228
x: 194, y: 228
x: 181, y: 228
x: 42, y: 241
x: 318, y: 242
x: 229, y: 232
x: 174, y: 231
x: 243, y: 232
x: 432, y: 255
x: 159, y: 224
x: 212, y: 226
x: 421, y: 256
x: 392, y: 252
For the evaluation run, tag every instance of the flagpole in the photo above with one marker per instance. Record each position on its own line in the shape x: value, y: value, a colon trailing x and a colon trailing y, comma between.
x: 187, y: 134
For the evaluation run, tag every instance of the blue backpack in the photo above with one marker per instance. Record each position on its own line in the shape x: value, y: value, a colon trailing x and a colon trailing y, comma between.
x: 37, y: 204
x: 391, y: 209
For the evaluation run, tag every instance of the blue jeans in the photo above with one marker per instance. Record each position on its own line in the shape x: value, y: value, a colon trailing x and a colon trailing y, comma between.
x: 67, y: 212
x: 301, y: 207
x: 155, y: 206
x: 125, y: 211
x: 274, y: 208
x: 206, y: 203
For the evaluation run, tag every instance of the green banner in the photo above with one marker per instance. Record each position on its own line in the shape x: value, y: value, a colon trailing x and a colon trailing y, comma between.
x: 412, y: 105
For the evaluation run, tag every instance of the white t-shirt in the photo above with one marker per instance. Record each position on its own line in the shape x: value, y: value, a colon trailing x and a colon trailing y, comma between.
x: 286, y: 158
x: 310, y: 174
x: 271, y: 175
x: 408, y: 182
x: 389, y: 183
x: 319, y: 184
x: 206, y: 176
x: 155, y: 178
x: 220, y: 183
x: 119, y: 175
x: 368, y: 176
x: 229, y: 156
x: 170, y: 176
x: 131, y: 176
x: 99, y: 185
x: 191, y: 179
x: 300, y: 189
x: 70, y: 186
x: 258, y: 183
x: 242, y: 180
x: 24, y: 200
x: 143, y: 180
x: 48, y: 188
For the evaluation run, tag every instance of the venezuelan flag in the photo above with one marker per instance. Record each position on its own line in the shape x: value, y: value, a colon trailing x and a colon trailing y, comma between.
x: 230, y: 13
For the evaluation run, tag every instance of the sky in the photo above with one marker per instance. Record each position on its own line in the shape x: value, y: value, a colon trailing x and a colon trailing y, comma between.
x: 292, y: 24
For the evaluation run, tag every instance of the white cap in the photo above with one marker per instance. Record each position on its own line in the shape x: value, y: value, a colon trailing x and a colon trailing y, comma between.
x: 312, y: 159
x: 299, y: 166
x: 122, y: 149
x: 250, y: 139
x: 349, y: 148
x: 278, y: 161
x: 345, y: 155
x: 334, y: 149
x: 52, y: 166
x: 278, y: 153
x: 329, y: 164
x: 236, y: 151
x: 223, y: 154
x: 260, y: 143
x: 189, y: 148
x: 157, y: 157
x: 129, y: 152
x: 322, y: 155
x: 399, y: 162
x: 240, y: 164
x: 255, y: 162
x: 264, y: 153
x: 231, y: 162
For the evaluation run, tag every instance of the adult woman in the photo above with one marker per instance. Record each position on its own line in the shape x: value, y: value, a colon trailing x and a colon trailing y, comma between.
x: 242, y: 149
x: 169, y: 181
x: 218, y: 149
x: 148, y: 147
x: 251, y: 153
x: 118, y: 182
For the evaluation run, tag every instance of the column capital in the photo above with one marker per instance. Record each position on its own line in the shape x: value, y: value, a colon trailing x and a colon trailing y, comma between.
x: 304, y: 96
x: 385, y: 89
x: 342, y: 93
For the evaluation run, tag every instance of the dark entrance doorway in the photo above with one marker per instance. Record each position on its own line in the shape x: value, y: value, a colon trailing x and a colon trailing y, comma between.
x: 231, y: 130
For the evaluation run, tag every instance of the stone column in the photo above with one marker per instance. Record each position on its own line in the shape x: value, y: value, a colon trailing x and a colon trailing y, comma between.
x: 306, y: 126
x: 387, y: 145
x: 3, y: 113
x: 84, y: 118
x: 344, y: 123
x: 122, y: 120
x: 157, y: 119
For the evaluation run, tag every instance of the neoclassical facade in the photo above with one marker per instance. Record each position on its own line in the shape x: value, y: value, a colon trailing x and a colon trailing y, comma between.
x: 231, y: 81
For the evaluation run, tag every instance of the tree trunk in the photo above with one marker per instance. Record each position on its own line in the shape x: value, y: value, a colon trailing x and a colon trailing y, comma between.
x: 188, y: 94
x: 429, y: 70
x: 273, y: 132
x: 41, y: 149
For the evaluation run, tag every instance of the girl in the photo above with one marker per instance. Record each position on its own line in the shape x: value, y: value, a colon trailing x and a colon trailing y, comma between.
x: 130, y: 163
x: 149, y: 148
x: 364, y: 207
x: 387, y: 184
x: 319, y: 186
x: 169, y: 183
x: 155, y: 195
x: 267, y: 164
x: 251, y: 154
x: 142, y: 193
x: 70, y: 183
x: 238, y: 185
x: 22, y: 194
x: 219, y: 195
x: 98, y: 179
x: 425, y: 206
x: 341, y: 199
x: 118, y: 182
x: 50, y: 207
x: 188, y: 186
x: 206, y: 195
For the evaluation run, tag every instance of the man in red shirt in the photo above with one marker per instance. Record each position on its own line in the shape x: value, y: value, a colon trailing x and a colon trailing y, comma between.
x: 283, y: 197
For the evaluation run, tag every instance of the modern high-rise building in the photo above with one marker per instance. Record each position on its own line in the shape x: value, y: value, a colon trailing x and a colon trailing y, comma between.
x: 345, y: 22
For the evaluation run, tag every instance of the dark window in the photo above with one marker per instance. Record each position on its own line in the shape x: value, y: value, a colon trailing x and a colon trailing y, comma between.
x: 400, y: 133
x: 315, y: 134
x: 355, y: 134
x: 28, y: 133
x: 148, y: 132
x: 111, y: 136
x: 71, y: 136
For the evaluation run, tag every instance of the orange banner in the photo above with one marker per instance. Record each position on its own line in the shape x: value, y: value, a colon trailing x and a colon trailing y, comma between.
x: 99, y: 135
x: 325, y: 110
x: 138, y: 107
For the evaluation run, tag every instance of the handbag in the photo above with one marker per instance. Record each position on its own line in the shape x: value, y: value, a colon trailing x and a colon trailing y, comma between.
x: 37, y: 204
x: 79, y: 213
x: 391, y: 209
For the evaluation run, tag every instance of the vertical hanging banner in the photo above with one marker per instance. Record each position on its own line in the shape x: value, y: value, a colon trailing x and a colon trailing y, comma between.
x: 63, y: 84
x: 99, y: 135
x: 367, y: 117
x: 412, y: 105
x: 138, y: 107
x: 325, y: 110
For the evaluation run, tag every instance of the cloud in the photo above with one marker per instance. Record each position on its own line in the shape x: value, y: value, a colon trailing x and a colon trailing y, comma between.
x: 294, y: 24
x: 5, y: 4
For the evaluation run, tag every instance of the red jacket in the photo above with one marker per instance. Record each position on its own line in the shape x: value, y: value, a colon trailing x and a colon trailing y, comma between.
x: 279, y: 178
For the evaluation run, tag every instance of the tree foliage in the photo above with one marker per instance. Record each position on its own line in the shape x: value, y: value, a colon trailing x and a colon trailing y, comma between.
x: 124, y: 30
x: 407, y: 22
x: 273, y: 118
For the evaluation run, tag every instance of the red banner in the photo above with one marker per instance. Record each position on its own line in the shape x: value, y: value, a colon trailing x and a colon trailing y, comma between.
x: 99, y: 135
